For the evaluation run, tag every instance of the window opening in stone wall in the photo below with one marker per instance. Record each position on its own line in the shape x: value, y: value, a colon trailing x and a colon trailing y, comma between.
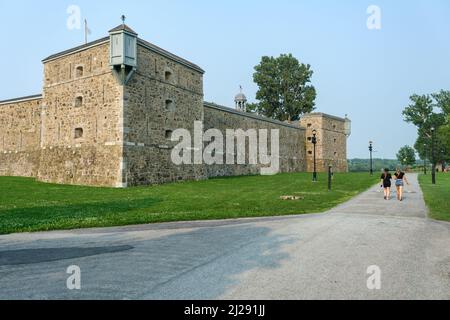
x: 168, y: 76
x: 170, y: 105
x: 78, y: 133
x: 78, y: 101
x: 79, y: 72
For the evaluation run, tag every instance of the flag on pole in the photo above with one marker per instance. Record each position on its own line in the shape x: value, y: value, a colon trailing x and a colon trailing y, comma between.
x: 87, y: 31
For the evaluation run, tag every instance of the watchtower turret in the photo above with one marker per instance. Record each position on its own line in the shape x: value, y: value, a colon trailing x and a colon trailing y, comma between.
x: 123, y: 52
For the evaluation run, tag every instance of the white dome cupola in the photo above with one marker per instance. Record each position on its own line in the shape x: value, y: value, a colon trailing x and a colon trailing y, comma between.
x: 240, y: 100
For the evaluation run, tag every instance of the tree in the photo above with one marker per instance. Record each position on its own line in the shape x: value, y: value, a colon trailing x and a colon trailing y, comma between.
x: 427, y: 112
x: 444, y: 133
x: 284, y: 91
x: 443, y: 99
x: 406, y: 156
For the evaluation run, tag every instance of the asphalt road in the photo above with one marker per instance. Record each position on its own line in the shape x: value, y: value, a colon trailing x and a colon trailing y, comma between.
x: 320, y: 256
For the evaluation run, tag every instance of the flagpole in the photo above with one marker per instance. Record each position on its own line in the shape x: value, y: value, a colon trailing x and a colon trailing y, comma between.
x: 85, y: 32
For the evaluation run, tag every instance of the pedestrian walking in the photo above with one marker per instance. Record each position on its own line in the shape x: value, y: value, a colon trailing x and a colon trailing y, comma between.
x: 386, y: 183
x: 400, y: 179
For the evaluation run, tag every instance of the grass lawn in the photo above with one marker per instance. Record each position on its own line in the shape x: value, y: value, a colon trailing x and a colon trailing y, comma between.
x: 437, y: 197
x: 27, y: 205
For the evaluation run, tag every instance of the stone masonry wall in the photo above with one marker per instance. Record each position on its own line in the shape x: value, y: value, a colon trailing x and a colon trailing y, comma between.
x: 156, y: 104
x: 82, y: 134
x: 292, y: 149
x: 331, y: 148
x: 20, y: 124
x: 92, y: 165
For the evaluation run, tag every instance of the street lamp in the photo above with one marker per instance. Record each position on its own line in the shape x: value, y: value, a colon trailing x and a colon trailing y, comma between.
x: 371, y: 161
x: 425, y: 160
x: 433, y: 161
x: 314, y: 142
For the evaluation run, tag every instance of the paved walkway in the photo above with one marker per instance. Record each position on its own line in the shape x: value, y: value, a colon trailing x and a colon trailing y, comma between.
x: 372, y: 202
x: 321, y: 256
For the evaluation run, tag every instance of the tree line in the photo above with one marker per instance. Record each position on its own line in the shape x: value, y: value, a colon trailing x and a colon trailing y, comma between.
x: 363, y: 165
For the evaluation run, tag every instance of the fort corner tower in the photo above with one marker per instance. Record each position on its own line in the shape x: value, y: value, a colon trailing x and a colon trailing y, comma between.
x: 81, y: 118
x: 108, y: 110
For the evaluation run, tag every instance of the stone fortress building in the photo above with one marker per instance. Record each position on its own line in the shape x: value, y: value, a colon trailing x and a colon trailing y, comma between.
x: 108, y: 109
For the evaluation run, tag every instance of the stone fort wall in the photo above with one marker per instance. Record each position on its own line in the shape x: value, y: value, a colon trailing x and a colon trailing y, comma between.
x: 162, y: 96
x: 20, y: 135
x: 331, y: 147
x: 292, y: 147
x: 82, y: 134
x: 89, y: 129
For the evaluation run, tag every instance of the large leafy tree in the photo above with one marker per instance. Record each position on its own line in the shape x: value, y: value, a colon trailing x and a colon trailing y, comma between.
x: 427, y: 112
x: 285, y: 90
x: 406, y: 156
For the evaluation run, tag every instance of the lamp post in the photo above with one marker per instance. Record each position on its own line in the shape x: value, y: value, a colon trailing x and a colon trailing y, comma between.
x: 371, y: 160
x: 425, y: 160
x: 433, y: 161
x: 314, y: 142
x: 330, y: 176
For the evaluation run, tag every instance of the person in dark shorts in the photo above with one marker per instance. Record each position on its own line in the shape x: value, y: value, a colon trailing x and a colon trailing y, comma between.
x: 386, y: 178
x: 400, y: 179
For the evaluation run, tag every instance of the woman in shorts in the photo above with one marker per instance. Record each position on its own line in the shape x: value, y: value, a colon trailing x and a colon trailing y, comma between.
x: 386, y: 178
x: 400, y: 179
